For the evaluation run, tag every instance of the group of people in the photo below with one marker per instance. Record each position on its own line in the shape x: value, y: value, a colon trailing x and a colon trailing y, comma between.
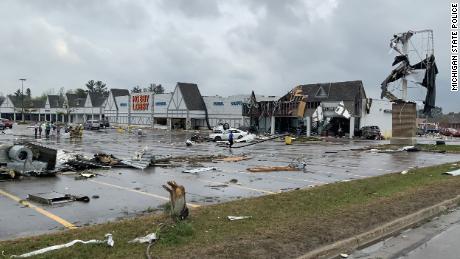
x: 47, y: 127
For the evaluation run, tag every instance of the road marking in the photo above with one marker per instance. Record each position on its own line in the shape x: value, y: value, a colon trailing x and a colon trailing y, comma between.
x: 239, y: 186
x: 140, y: 192
x: 283, y: 177
x: 48, y: 214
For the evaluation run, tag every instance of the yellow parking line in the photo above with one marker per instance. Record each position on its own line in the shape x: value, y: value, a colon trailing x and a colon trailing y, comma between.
x: 239, y: 186
x: 48, y: 214
x: 140, y: 192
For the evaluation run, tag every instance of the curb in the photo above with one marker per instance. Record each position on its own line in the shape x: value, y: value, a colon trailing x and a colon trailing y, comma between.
x: 351, y: 244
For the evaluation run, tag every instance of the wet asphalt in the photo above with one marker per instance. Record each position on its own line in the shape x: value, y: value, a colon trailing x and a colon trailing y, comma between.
x: 128, y: 192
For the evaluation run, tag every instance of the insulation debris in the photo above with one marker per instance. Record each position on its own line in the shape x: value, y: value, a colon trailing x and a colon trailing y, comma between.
x: 233, y: 218
x: 199, y: 170
x: 108, y: 240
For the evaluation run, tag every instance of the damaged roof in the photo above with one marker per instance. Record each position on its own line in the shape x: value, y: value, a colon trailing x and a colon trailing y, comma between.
x: 16, y: 100
x: 96, y: 99
x: 38, y: 103
x: 191, y: 96
x: 336, y: 91
x: 55, y: 101
x: 119, y: 92
x: 74, y: 101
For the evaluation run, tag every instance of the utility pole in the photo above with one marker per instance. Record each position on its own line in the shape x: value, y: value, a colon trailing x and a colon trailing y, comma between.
x: 22, y: 98
x: 404, y: 80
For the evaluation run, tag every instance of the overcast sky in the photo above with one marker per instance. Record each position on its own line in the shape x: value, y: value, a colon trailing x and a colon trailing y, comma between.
x: 226, y: 47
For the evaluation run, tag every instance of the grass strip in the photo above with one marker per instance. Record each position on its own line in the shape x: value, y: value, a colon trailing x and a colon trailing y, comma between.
x: 283, y: 225
x: 455, y: 149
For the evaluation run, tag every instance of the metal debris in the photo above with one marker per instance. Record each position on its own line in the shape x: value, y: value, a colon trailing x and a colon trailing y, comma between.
x: 52, y: 198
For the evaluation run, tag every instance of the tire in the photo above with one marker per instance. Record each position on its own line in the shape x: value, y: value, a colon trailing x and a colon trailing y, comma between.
x: 217, y: 138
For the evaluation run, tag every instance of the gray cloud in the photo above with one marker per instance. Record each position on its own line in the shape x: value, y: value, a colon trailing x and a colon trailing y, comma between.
x: 227, y: 47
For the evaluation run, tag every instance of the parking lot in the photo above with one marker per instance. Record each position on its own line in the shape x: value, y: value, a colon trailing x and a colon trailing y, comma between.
x: 129, y: 192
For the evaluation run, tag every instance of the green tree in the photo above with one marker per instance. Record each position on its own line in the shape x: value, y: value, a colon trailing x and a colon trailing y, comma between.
x: 101, y: 88
x: 156, y: 88
x: 136, y: 89
x: 91, y: 86
x: 81, y: 93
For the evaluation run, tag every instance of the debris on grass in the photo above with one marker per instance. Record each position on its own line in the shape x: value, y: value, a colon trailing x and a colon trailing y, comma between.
x: 146, y: 239
x: 233, y: 218
x: 453, y: 173
x: 109, y: 241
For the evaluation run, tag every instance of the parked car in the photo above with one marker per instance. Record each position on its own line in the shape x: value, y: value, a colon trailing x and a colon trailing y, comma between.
x: 92, y: 125
x: 104, y: 123
x: 448, y: 132
x: 218, y: 134
x: 7, y: 123
x: 371, y: 132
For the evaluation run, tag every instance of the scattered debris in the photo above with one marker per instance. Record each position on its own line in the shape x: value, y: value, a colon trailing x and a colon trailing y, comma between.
x: 109, y: 241
x: 189, y: 143
x: 146, y: 239
x: 7, y: 174
x: 28, y: 159
x: 177, y: 198
x: 290, y: 167
x: 76, y: 131
x: 52, y: 198
x: 199, y: 170
x: 217, y: 185
x: 453, y: 173
x: 233, y: 181
x: 234, y: 159
x: 84, y: 176
x: 232, y: 218
x: 141, y: 160
x: 409, y: 149
x: 106, y: 159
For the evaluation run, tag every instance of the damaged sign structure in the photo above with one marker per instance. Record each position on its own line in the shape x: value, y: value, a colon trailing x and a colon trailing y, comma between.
x: 421, y: 73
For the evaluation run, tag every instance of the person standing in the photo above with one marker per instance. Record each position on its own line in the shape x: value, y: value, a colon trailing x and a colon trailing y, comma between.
x: 58, y: 129
x: 40, y: 129
x: 36, y: 129
x: 47, y: 129
x: 230, y: 138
